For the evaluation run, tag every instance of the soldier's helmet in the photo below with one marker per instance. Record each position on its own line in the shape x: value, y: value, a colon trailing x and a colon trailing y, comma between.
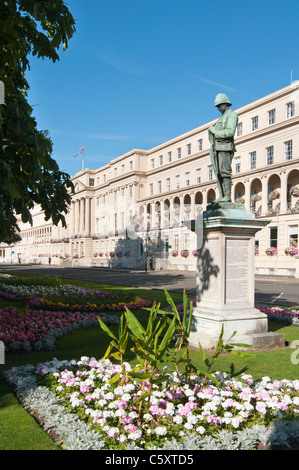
x: 221, y: 98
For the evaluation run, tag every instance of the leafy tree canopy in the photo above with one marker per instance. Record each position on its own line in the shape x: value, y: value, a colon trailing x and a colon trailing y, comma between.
x: 29, y: 174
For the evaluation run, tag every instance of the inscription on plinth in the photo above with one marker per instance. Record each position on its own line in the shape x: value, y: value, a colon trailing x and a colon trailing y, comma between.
x: 237, y: 270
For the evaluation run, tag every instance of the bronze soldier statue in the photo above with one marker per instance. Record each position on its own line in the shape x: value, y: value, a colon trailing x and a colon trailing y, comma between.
x: 222, y: 146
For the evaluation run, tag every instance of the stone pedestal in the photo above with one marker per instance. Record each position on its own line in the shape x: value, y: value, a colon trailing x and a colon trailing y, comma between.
x: 225, y: 281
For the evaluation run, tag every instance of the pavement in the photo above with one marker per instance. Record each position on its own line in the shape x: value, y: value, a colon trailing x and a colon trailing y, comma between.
x: 277, y: 290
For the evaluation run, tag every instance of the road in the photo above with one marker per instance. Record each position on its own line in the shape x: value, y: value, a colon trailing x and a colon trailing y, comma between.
x: 268, y: 289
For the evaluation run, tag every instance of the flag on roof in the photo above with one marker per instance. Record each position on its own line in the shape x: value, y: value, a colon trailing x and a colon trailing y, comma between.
x: 80, y: 151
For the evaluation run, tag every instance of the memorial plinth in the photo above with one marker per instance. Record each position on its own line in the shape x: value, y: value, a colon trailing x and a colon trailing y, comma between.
x: 225, y: 281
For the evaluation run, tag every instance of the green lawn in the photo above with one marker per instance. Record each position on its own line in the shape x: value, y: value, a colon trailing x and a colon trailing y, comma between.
x: 20, y: 431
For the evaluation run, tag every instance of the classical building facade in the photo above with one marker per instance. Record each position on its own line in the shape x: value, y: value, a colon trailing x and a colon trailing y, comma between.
x: 134, y: 211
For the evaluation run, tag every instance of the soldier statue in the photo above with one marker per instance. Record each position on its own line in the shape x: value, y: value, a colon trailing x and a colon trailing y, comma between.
x: 222, y: 146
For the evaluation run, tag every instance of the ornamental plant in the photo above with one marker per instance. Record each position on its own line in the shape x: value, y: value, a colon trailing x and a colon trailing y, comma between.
x: 255, y: 197
x: 274, y: 195
x: 174, y: 253
x: 185, y: 253
x: 271, y: 251
x: 291, y: 250
x: 273, y: 211
x: 153, y: 347
x: 295, y: 191
x: 240, y: 200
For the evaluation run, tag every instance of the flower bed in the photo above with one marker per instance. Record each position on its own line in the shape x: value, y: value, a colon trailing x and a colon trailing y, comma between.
x: 273, y: 313
x: 21, y: 329
x: 237, y: 414
x: 36, y: 298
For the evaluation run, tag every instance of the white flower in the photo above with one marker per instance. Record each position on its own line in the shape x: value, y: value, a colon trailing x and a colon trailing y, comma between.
x: 126, y: 397
x: 134, y: 435
x: 178, y: 419
x: 161, y: 431
x: 200, y: 430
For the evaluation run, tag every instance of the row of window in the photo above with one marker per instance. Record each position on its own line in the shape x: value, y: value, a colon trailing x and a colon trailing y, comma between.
x: 254, y: 124
x: 290, y: 112
x: 115, y: 173
x: 115, y: 195
x: 292, y: 234
x: 178, y: 155
x: 178, y: 182
x: 288, y: 155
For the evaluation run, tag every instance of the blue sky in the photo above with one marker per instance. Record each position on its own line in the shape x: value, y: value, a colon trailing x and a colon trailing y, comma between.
x: 139, y: 73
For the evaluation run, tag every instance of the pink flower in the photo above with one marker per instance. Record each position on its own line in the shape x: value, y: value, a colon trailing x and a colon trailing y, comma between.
x: 84, y: 389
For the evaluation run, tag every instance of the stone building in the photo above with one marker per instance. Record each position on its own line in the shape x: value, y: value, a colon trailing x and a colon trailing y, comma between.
x: 134, y: 211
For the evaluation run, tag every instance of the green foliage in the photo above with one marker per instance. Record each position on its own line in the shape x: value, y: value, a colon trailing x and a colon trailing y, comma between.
x: 221, y: 347
x: 153, y: 347
x: 29, y: 175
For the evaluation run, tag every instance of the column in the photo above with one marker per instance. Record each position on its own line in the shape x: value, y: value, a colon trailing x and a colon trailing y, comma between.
x: 82, y: 215
x: 87, y: 216
x: 264, y: 180
x: 283, y: 191
x: 77, y: 213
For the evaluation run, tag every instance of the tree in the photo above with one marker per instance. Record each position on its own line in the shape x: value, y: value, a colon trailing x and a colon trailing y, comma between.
x: 29, y: 174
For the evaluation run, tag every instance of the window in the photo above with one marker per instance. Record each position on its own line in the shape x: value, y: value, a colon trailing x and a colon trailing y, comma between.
x: 161, y: 159
x: 131, y: 165
x: 186, y: 241
x: 168, y: 184
x: 151, y: 189
x: 130, y: 191
x: 91, y: 181
x: 237, y: 164
x: 198, y: 175
x: 270, y: 155
x: 152, y: 163
x: 293, y: 236
x: 290, y: 109
x: 200, y: 145
x: 122, y: 193
x: 169, y: 157
x: 252, y: 160
x: 179, y: 153
x: 123, y: 168
x: 98, y: 180
x: 273, y: 237
x: 115, y: 171
x: 288, y: 150
x: 98, y: 201
x: 188, y: 149
x: 176, y: 241
x: 104, y: 178
x: 239, y: 129
x: 271, y: 116
x: 210, y: 172
x: 254, y: 123
x: 177, y: 181
x: 159, y: 187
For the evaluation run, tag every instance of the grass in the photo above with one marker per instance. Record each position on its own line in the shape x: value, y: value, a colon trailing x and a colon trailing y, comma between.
x: 20, y: 431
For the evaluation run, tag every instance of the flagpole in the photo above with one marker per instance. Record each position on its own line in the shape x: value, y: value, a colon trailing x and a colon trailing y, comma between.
x: 83, y: 159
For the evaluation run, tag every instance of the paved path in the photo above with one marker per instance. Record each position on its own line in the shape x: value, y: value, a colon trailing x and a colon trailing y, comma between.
x: 269, y: 289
